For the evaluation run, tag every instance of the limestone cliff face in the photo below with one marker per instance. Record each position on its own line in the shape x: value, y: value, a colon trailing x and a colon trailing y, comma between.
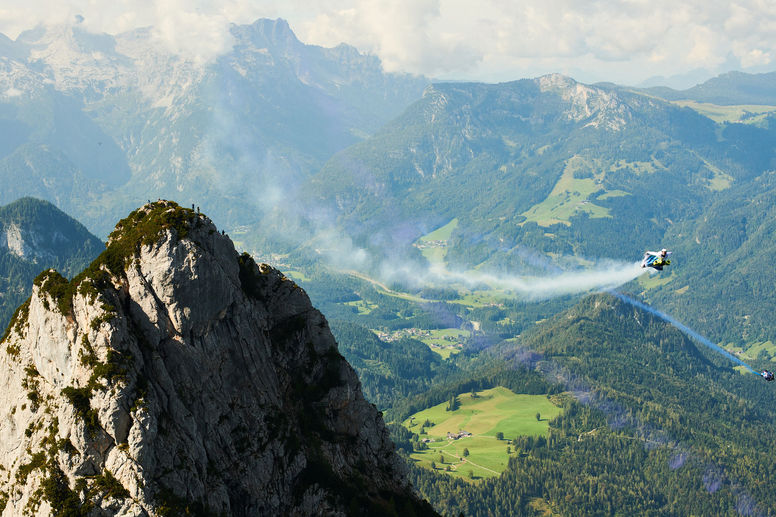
x: 176, y: 376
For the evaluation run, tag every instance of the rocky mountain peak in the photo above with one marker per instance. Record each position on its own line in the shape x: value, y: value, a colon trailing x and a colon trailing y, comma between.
x: 596, y: 107
x: 176, y: 375
x: 274, y: 33
x: 555, y: 81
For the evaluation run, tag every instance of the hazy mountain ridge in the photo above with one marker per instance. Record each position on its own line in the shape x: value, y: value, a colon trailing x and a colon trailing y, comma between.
x: 266, y: 114
x: 726, y: 89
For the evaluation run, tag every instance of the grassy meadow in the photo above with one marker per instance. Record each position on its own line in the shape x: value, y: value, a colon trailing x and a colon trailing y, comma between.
x: 493, y: 411
x: 569, y: 197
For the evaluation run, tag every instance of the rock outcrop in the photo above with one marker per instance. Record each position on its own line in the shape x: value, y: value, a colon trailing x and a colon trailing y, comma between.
x: 174, y: 376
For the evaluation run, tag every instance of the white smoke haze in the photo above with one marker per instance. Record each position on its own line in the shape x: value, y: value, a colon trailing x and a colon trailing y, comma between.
x: 339, y: 251
x: 391, y: 267
x: 607, y: 274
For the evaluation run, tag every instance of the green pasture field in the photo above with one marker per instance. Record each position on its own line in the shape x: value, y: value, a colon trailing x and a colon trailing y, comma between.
x: 743, y: 370
x: 651, y: 281
x: 442, y: 233
x: 613, y: 193
x: 435, y: 254
x: 437, y: 342
x: 363, y: 306
x: 569, y: 197
x: 753, y: 350
x: 721, y: 180
x: 492, y: 411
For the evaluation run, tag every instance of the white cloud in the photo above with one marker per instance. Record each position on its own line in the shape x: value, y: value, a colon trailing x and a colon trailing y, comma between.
x: 408, y: 35
x: 198, y: 28
x: 620, y: 40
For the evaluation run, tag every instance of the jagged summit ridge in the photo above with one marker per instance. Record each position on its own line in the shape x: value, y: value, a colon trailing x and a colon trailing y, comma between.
x: 175, y: 373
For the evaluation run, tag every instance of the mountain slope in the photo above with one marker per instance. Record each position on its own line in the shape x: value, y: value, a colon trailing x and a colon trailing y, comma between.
x: 175, y: 376
x: 35, y: 235
x: 542, y: 163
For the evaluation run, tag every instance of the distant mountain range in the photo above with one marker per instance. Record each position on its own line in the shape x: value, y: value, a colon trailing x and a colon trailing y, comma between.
x: 727, y: 89
x: 99, y: 123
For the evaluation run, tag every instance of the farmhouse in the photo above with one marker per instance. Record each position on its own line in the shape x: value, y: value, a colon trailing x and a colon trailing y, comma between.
x: 459, y: 434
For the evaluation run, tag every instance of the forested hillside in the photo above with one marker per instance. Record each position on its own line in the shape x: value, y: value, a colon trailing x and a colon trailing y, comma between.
x: 723, y: 281
x: 655, y: 426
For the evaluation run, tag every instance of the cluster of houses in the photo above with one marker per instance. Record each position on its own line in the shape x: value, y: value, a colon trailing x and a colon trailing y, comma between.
x: 459, y: 434
x: 398, y: 334
x: 418, y: 334
x: 450, y: 436
x: 430, y: 244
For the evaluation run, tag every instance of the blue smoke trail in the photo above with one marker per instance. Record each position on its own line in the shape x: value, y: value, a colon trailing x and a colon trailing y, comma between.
x: 683, y: 328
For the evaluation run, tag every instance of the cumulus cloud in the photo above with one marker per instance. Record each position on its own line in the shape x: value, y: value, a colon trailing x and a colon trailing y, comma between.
x: 620, y: 40
x: 624, y: 40
x: 408, y: 35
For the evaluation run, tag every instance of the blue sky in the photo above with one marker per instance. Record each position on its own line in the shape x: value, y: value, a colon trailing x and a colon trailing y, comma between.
x: 624, y: 41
